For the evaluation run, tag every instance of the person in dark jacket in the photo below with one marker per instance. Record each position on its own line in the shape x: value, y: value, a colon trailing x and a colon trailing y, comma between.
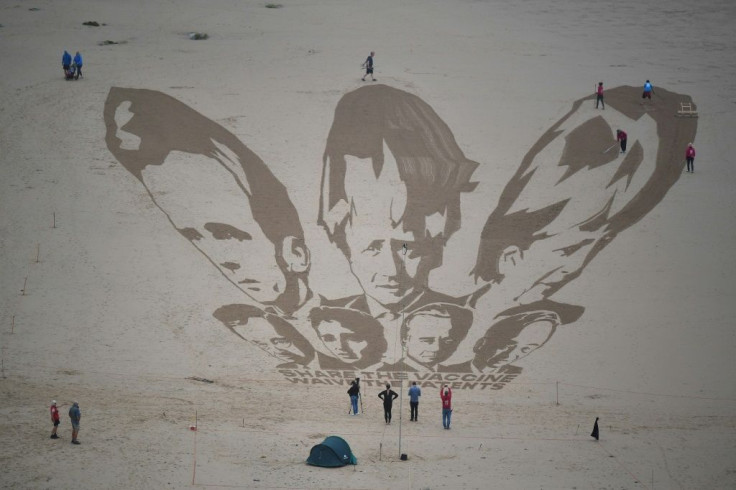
x: 621, y: 137
x: 354, y: 392
x: 388, y: 396
x: 368, y: 65
x: 75, y: 414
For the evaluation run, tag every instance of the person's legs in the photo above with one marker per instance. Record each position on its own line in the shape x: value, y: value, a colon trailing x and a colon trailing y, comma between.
x: 449, y: 417
x: 386, y: 413
x: 689, y: 164
x: 444, y: 418
x: 53, y: 432
x: 354, y: 402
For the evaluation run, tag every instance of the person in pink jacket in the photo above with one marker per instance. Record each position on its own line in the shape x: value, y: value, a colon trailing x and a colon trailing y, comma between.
x: 446, y: 396
x: 690, y: 157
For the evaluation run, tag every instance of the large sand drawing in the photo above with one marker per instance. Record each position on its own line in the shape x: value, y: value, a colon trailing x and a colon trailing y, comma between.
x: 391, y: 200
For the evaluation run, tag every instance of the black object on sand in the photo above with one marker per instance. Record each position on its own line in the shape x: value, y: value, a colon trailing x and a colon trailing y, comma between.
x: 595, y: 430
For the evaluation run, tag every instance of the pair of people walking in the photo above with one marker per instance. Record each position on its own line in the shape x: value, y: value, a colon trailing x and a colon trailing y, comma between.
x: 75, y: 414
x: 72, y: 67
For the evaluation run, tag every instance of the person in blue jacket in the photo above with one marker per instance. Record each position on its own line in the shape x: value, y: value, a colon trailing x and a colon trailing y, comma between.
x: 66, y: 61
x: 648, y: 90
x: 414, y: 393
x: 78, y: 64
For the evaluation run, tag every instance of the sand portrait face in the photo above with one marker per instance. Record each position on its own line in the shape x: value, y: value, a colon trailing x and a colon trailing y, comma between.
x: 262, y: 333
x: 342, y: 342
x: 378, y: 263
x: 550, y: 263
x: 205, y: 204
x: 375, y: 235
x: 428, y: 337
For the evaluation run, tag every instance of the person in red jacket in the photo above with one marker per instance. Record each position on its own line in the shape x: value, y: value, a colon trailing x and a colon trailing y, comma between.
x: 54, y: 418
x: 599, y: 95
x: 690, y: 157
x: 621, y: 136
x: 446, y: 396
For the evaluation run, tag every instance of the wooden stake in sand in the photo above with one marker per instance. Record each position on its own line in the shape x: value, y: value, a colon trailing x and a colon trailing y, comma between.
x: 38, y: 251
x: 12, y: 324
x: 54, y: 220
x: 557, y: 392
x: 23, y: 291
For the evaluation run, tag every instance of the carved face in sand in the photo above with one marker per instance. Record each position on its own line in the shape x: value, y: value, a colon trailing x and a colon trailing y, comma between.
x: 205, y: 204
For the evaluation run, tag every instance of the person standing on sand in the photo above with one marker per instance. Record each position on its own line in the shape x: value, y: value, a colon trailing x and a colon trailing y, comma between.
x: 599, y: 96
x: 354, y: 392
x: 54, y: 419
x: 78, y: 63
x: 388, y: 398
x: 690, y: 158
x: 446, y: 396
x: 414, y: 393
x: 368, y: 65
x: 75, y: 414
x: 648, y: 90
x: 66, y: 61
x: 621, y: 137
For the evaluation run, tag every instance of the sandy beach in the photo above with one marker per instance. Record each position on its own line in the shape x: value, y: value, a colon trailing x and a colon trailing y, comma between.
x: 554, y: 278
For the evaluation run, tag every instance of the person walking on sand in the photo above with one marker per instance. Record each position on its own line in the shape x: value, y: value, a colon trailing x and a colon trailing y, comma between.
x: 388, y: 398
x: 54, y: 419
x: 414, y: 393
x: 599, y: 96
x: 648, y: 90
x: 621, y: 138
x: 354, y: 392
x: 690, y: 158
x: 66, y: 61
x: 368, y: 65
x: 78, y: 63
x: 75, y: 414
x: 446, y: 396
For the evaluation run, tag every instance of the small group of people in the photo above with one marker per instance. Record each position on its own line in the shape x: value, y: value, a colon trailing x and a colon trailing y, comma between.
x: 388, y: 396
x: 75, y: 414
x: 72, y: 66
x: 621, y: 135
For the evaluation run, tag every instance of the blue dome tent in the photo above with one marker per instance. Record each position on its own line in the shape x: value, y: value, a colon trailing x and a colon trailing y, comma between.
x: 331, y: 453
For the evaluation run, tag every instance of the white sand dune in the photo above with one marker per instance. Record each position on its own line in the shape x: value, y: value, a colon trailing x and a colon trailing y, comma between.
x: 116, y: 308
